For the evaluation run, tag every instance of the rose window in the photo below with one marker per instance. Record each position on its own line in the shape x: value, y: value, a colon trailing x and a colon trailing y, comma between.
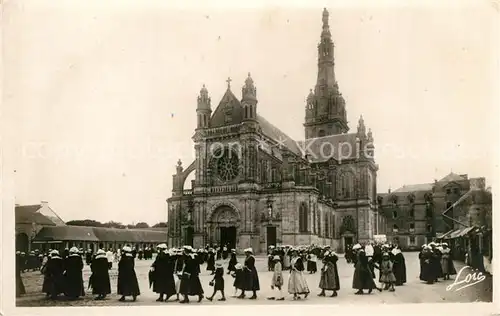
x: 227, y: 165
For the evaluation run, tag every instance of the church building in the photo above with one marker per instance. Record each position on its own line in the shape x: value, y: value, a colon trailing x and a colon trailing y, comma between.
x: 255, y: 187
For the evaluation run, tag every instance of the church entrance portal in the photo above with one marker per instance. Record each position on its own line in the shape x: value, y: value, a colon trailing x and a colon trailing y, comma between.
x: 228, y: 237
x: 271, y: 236
x: 189, y: 236
x: 224, y: 227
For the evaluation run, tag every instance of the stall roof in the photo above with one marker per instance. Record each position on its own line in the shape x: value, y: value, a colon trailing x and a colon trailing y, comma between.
x: 66, y: 233
x: 99, y: 234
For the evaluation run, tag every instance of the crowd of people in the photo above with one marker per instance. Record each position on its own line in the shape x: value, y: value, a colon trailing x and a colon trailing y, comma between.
x: 175, y: 272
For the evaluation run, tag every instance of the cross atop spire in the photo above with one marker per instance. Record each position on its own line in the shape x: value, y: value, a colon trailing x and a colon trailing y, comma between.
x: 229, y: 83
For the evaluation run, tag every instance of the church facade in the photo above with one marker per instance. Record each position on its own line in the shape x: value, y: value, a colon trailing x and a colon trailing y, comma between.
x: 254, y: 186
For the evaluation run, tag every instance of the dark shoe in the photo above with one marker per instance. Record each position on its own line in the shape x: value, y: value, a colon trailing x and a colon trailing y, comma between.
x: 222, y: 299
x: 280, y: 299
x: 241, y: 296
x: 159, y: 299
x: 306, y: 295
x: 321, y: 294
x: 271, y: 298
x: 134, y: 298
x: 370, y: 291
x: 122, y: 299
x: 334, y: 294
x: 209, y: 298
x: 253, y: 297
x: 200, y: 298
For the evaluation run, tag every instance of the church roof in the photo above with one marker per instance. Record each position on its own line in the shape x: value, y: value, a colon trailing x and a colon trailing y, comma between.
x: 28, y: 214
x: 230, y: 112
x: 453, y: 177
x: 340, y: 146
x: 414, y: 188
x: 276, y: 134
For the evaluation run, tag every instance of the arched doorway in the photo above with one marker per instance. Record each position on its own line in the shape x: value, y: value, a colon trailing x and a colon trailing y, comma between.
x: 224, y: 224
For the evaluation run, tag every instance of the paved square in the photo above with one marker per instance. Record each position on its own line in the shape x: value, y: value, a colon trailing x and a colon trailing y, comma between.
x: 414, y: 291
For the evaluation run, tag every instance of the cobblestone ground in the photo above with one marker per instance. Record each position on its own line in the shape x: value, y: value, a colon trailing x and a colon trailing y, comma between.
x: 414, y: 291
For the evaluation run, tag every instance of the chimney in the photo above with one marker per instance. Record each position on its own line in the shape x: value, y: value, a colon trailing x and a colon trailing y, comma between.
x: 389, y: 191
x: 465, y: 176
x: 44, y: 203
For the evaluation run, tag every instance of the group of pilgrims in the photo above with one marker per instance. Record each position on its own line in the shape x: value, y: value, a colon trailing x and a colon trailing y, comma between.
x: 436, y: 262
x: 175, y: 272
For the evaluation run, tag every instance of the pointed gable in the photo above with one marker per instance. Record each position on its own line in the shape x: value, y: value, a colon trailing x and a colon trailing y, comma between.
x: 228, y: 112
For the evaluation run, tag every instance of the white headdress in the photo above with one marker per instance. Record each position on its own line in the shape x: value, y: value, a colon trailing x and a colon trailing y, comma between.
x: 74, y: 250
x: 162, y: 246
x: 356, y: 246
x: 249, y: 250
x: 127, y: 249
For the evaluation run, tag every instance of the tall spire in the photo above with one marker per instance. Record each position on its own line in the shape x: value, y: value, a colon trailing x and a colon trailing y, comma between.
x: 361, y: 126
x: 326, y: 74
x: 325, y: 110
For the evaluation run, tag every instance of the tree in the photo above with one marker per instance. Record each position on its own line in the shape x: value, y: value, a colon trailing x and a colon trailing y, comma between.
x: 112, y: 224
x: 141, y: 225
x: 85, y: 222
x: 160, y: 224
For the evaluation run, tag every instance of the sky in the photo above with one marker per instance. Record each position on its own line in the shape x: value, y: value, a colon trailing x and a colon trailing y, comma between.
x: 100, y: 98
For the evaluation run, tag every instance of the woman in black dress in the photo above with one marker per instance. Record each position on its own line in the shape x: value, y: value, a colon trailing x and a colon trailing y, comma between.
x: 162, y: 274
x: 232, y: 261
x: 127, y: 279
x: 363, y: 277
x: 251, y: 278
x: 53, y: 282
x: 190, y: 280
x: 99, y: 280
x: 73, y: 275
x: 399, y: 266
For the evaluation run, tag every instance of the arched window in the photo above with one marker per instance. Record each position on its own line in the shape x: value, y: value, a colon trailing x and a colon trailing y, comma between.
x: 333, y: 225
x: 318, y: 220
x: 370, y: 186
x: 327, y: 225
x: 303, y: 213
x: 321, y: 133
x: 346, y: 185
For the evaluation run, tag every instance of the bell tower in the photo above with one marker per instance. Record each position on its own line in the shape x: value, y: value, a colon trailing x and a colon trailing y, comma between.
x: 203, y: 110
x: 325, y: 109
